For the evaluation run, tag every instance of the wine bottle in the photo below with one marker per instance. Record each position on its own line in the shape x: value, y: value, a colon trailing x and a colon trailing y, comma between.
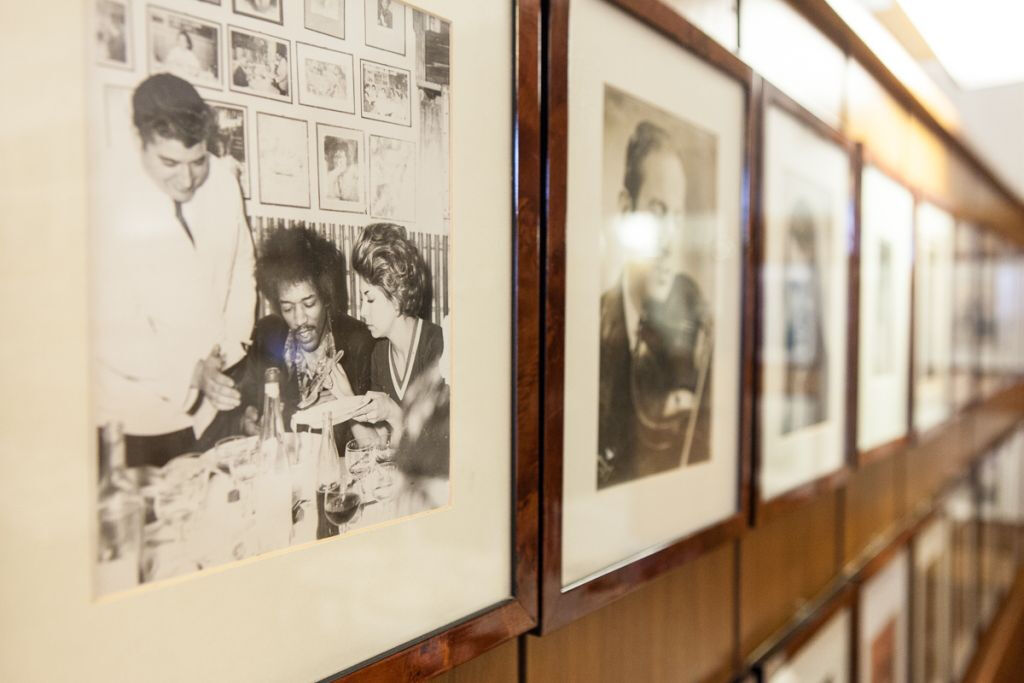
x: 328, y: 476
x: 120, y: 517
x: 274, y: 501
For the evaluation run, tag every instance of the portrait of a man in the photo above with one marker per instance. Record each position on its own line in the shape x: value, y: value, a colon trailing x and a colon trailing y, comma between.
x: 656, y: 315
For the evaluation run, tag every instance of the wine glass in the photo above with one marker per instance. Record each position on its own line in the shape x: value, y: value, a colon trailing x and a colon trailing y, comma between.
x: 182, y: 490
x: 358, y: 458
x: 243, y: 462
x: 343, y: 505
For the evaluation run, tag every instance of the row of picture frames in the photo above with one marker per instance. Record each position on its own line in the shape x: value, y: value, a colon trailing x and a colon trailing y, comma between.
x: 916, y: 611
x: 706, y: 259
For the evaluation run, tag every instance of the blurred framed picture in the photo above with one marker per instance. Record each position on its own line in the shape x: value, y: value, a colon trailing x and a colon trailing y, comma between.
x: 326, y: 16
x: 185, y: 46
x: 804, y: 344
x: 645, y: 459
x: 384, y: 22
x: 960, y: 507
x: 819, y: 649
x: 883, y: 619
x: 931, y: 554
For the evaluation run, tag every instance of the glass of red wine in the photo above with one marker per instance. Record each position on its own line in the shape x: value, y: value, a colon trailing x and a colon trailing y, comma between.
x: 343, y: 505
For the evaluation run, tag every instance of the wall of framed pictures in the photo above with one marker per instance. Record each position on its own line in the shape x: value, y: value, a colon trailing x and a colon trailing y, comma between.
x: 732, y: 382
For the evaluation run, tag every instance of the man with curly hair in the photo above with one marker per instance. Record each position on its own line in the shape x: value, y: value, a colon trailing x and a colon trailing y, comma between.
x: 322, y: 352
x: 174, y: 296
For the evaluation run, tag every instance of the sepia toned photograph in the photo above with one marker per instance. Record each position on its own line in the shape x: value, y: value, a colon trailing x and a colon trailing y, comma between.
x: 259, y: 64
x: 113, y: 33
x: 657, y: 314
x: 385, y: 25
x: 342, y: 164
x: 292, y: 383
x: 268, y: 10
x: 326, y: 78
x: 229, y: 140
x: 184, y: 46
x: 326, y: 16
x: 386, y: 94
x: 392, y: 178
x: 283, y: 160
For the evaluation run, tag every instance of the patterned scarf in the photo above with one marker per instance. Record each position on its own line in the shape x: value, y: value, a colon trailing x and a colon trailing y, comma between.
x: 310, y: 367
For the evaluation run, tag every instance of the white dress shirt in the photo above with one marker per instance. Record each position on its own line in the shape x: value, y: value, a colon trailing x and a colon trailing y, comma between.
x: 160, y: 302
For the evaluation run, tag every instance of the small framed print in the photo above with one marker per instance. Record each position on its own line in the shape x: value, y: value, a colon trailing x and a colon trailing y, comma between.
x: 646, y: 351
x: 933, y: 317
x: 325, y: 78
x: 819, y: 649
x: 385, y: 24
x: 342, y: 162
x: 960, y: 508
x: 989, y: 322
x: 113, y: 33
x: 883, y: 619
x: 283, y: 152
x: 267, y: 10
x: 804, y: 344
x: 326, y: 16
x: 967, y: 307
x: 884, y: 301
x: 230, y: 140
x: 392, y: 178
x: 386, y: 93
x: 184, y: 46
x: 259, y: 64
x: 932, y: 602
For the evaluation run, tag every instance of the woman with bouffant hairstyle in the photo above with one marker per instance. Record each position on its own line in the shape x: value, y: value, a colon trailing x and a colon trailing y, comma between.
x: 394, y: 286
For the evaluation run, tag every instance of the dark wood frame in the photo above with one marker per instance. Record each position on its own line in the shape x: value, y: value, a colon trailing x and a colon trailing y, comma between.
x: 762, y: 510
x: 558, y: 607
x: 863, y: 458
x: 974, y: 391
x: 801, y: 633
x: 457, y: 643
x: 934, y: 516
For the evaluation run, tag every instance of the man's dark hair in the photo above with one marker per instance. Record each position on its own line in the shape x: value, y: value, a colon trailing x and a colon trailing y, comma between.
x: 293, y: 255
x: 167, y: 106
x: 646, y: 139
x: 386, y: 258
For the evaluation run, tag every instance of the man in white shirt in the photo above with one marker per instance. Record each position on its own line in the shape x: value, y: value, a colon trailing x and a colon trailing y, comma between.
x: 174, y: 297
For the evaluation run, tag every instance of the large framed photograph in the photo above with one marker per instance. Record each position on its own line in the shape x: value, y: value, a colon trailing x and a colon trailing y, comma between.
x: 959, y: 506
x: 819, y: 649
x: 932, y: 595
x: 386, y: 93
x: 884, y: 298
x: 283, y: 153
x: 646, y: 341
x: 183, y: 45
x: 807, y: 184
x: 200, y: 317
x: 229, y: 140
x: 113, y: 33
x: 341, y: 155
x: 259, y: 64
x: 267, y: 10
x: 326, y: 16
x: 883, y: 619
x: 384, y: 22
x: 392, y: 178
x: 933, y: 317
x: 326, y: 78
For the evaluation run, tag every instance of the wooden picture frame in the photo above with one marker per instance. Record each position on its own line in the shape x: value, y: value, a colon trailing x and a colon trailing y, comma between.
x: 763, y: 505
x: 896, y: 442
x: 887, y: 572
x: 561, y: 602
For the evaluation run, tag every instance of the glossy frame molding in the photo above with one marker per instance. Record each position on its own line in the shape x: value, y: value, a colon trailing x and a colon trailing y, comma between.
x: 457, y: 643
x: 562, y: 606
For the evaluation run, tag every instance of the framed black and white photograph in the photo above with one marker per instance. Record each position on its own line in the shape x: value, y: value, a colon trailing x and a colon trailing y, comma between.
x: 645, y: 332
x: 114, y: 46
x: 326, y: 16
x: 282, y: 145
x: 267, y: 10
x: 883, y: 364
x: 259, y: 64
x: 341, y: 155
x: 804, y: 340
x: 883, y: 621
x: 932, y: 602
x: 220, y: 333
x: 933, y: 317
x: 229, y: 140
x: 392, y: 178
x: 185, y: 46
x: 385, y: 25
x: 386, y: 93
x: 819, y: 650
x: 326, y: 78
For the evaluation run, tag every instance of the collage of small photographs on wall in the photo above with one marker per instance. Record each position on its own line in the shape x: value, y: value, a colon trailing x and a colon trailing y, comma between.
x: 286, y: 380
